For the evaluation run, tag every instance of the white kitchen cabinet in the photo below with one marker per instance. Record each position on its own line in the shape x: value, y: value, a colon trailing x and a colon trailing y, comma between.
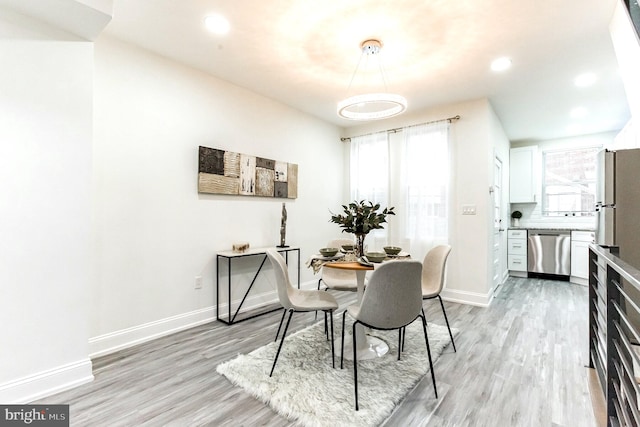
x: 522, y: 174
x: 517, y: 252
x: 580, y: 241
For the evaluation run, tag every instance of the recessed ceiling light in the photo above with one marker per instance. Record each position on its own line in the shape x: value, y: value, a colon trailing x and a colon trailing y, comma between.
x: 501, y: 64
x: 217, y: 24
x: 586, y: 79
x: 578, y: 112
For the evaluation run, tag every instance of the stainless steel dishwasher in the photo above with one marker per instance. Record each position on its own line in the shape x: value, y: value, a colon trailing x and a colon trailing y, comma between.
x: 549, y: 252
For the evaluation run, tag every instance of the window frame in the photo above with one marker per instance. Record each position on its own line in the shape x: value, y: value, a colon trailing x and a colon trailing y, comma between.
x: 544, y: 209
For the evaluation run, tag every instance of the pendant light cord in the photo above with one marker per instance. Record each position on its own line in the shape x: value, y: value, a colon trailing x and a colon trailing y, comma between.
x: 353, y: 76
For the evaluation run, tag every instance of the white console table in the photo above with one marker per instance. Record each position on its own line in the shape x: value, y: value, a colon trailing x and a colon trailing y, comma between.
x: 229, y: 256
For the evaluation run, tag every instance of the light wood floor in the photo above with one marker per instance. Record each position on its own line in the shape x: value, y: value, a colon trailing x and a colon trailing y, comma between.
x: 520, y: 362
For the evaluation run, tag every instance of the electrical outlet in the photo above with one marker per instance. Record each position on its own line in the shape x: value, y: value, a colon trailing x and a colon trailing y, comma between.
x: 198, y: 282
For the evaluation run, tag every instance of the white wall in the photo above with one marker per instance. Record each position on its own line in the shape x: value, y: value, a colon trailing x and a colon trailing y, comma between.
x: 154, y: 232
x: 532, y: 212
x: 474, y: 138
x: 501, y: 145
x: 627, y: 47
x: 45, y: 203
x: 101, y: 244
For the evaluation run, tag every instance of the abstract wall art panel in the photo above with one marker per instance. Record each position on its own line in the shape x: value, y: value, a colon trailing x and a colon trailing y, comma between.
x: 247, y: 175
x: 292, y: 181
x: 211, y: 161
x: 218, y: 184
x: 281, y: 189
x: 264, y: 182
x: 227, y: 172
x: 231, y: 164
x: 265, y: 163
x: 281, y: 171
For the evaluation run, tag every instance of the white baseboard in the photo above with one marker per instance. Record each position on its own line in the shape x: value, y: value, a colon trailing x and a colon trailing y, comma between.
x: 124, y: 338
x: 465, y: 297
x: 119, y: 340
x: 46, y: 383
x: 579, y: 281
x: 496, y: 290
x: 518, y: 274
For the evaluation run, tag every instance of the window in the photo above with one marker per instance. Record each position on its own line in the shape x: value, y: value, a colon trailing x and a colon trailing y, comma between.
x: 569, y: 182
x: 410, y: 172
x: 370, y: 168
x: 426, y: 182
x: 370, y: 173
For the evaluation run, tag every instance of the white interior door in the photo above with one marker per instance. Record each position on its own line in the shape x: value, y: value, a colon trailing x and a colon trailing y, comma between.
x: 497, y: 224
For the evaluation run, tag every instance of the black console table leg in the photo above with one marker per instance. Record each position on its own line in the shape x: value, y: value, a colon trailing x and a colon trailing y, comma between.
x: 232, y: 319
x: 229, y: 290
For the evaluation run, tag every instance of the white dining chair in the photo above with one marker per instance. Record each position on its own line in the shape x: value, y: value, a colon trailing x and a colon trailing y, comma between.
x: 433, y: 275
x: 338, y: 280
x: 298, y: 300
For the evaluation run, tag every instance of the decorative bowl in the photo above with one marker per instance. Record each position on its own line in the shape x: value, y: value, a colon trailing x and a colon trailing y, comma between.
x: 392, y: 250
x: 348, y: 248
x: 328, y: 251
x: 376, y: 256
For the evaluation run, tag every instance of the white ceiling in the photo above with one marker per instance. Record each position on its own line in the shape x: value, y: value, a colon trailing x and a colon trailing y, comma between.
x: 304, y: 52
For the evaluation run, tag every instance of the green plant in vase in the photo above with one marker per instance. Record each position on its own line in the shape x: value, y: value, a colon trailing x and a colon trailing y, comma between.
x: 359, y: 218
x: 515, y: 216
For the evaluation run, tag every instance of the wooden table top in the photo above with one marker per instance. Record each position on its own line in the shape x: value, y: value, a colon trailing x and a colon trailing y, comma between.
x: 348, y: 266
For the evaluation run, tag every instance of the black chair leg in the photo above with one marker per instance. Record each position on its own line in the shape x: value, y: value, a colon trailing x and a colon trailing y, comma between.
x: 319, y: 280
x: 333, y: 351
x: 284, y: 311
x: 284, y: 334
x: 344, y: 313
x: 426, y: 339
x: 447, y: 322
x: 404, y: 333
x: 399, y: 342
x: 355, y: 363
x: 326, y: 329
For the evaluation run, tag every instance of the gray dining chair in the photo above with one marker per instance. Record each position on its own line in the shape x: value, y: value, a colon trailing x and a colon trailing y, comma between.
x: 298, y: 300
x: 391, y: 301
x: 433, y: 275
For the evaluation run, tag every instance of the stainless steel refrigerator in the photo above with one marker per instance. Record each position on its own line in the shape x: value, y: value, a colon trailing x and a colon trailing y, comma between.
x: 618, y: 203
x: 618, y: 212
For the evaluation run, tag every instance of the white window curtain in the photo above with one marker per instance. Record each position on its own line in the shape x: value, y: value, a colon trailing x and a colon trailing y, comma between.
x: 423, y: 202
x: 411, y: 172
x: 370, y: 168
x: 369, y: 176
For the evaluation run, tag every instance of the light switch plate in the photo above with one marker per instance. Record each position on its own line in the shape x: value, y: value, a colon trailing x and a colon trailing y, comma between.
x: 468, y: 209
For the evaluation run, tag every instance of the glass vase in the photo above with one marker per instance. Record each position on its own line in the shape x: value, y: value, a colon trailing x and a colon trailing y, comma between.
x: 360, y: 244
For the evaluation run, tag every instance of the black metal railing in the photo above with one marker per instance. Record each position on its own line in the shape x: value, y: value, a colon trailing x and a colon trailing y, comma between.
x: 614, y: 340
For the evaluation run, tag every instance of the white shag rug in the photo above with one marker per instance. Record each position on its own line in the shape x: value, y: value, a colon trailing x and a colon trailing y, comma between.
x: 304, y: 387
